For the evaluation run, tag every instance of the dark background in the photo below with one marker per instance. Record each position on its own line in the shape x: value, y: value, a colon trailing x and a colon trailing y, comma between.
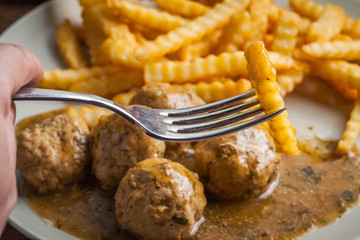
x: 10, y: 11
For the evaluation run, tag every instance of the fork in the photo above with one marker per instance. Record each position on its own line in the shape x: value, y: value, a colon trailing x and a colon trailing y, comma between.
x: 187, y: 124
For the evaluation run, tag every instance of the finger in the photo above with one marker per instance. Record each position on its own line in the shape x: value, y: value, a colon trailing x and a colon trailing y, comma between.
x: 19, y: 67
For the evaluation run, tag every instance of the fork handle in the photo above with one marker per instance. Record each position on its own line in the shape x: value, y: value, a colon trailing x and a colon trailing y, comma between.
x: 40, y: 94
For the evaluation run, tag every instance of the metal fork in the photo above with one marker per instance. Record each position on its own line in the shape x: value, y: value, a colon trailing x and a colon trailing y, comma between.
x: 188, y: 124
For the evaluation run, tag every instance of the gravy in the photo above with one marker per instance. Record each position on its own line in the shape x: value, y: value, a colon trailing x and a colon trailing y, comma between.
x: 311, y: 193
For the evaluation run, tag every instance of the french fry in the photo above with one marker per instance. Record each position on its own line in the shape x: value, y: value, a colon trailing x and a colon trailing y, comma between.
x: 185, y: 8
x: 342, y: 76
x: 328, y: 25
x: 147, y: 16
x: 285, y: 33
x: 351, y: 132
x: 192, y: 31
x: 218, y: 89
x: 235, y: 33
x: 263, y: 78
x: 226, y: 64
x: 342, y: 37
x: 120, y: 52
x: 288, y: 80
x: 124, y: 98
x: 91, y: 114
x: 63, y: 78
x: 200, y: 48
x: 108, y: 86
x: 342, y: 50
x: 258, y: 10
x: 307, y: 8
x: 69, y: 45
x: 352, y: 27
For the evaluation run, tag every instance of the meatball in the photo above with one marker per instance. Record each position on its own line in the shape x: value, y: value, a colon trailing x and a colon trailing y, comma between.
x: 159, y: 199
x: 237, y: 166
x: 53, y: 150
x: 165, y: 96
x: 117, y: 145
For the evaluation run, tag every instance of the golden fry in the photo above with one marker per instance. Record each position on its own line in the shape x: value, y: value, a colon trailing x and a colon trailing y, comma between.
x: 258, y: 10
x: 124, y: 98
x: 328, y: 25
x: 192, y: 31
x: 263, y: 78
x: 185, y: 8
x: 218, y: 89
x: 288, y: 80
x: 200, y: 48
x: 235, y: 33
x: 352, y: 27
x: 343, y: 50
x: 285, y: 33
x: 147, y: 16
x: 69, y: 46
x: 307, y: 8
x: 64, y: 78
x: 91, y: 114
x: 351, y: 132
x: 226, y: 64
x: 342, y: 76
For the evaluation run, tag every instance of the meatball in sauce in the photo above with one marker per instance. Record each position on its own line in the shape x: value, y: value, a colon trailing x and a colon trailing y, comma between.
x: 239, y: 165
x: 166, y: 96
x: 159, y: 199
x: 118, y: 145
x: 53, y: 150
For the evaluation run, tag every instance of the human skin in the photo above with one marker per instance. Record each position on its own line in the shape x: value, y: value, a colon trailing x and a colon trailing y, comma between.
x: 18, y: 68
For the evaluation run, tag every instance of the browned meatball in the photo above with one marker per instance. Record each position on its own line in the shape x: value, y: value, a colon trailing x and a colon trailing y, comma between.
x: 237, y: 166
x: 117, y: 146
x: 53, y: 150
x: 159, y: 199
x: 165, y: 96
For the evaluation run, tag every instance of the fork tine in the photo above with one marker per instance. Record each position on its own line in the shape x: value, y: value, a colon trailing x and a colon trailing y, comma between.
x: 208, y: 107
x: 212, y: 115
x: 224, y: 130
x: 217, y: 123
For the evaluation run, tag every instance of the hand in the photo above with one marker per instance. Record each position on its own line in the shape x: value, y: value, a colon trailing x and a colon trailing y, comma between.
x: 18, y: 68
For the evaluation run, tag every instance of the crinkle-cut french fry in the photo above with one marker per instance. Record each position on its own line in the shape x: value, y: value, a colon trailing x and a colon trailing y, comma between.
x: 342, y: 76
x: 147, y: 16
x: 94, y: 35
x: 273, y: 16
x: 193, y: 31
x: 258, y: 10
x: 185, y: 8
x: 107, y: 21
x: 200, y: 48
x: 268, y: 40
x: 263, y: 78
x: 120, y: 52
x: 69, y: 45
x: 341, y: 37
x: 218, y: 89
x: 342, y: 50
x: 91, y: 114
x: 307, y: 8
x: 235, y: 33
x: 351, y: 131
x: 285, y: 33
x: 64, y: 78
x: 328, y: 25
x: 288, y: 80
x: 124, y: 98
x: 108, y: 86
x: 352, y: 27
x: 226, y: 64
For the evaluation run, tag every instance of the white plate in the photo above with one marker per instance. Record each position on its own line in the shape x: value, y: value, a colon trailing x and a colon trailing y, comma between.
x: 35, y: 31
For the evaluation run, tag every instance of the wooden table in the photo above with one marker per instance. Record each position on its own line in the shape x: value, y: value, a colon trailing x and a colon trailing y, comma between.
x: 10, y: 11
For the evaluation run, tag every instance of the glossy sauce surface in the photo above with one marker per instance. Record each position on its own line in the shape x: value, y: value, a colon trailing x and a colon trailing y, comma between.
x: 311, y: 192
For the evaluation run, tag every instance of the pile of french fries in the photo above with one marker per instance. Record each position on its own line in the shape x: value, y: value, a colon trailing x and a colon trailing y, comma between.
x: 200, y: 45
